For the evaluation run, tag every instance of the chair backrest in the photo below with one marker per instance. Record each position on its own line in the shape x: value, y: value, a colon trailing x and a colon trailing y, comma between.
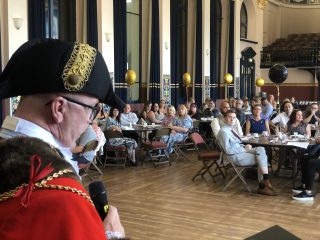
x: 197, y: 139
x: 162, y: 132
x: 112, y: 134
x: 196, y: 126
x: 90, y: 146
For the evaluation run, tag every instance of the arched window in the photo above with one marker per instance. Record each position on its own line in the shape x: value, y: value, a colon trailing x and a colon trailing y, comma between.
x: 243, y: 22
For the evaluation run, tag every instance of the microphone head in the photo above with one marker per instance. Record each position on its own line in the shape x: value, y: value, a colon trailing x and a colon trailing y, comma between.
x: 97, y: 192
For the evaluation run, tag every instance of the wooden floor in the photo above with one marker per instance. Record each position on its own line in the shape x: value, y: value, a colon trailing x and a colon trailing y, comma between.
x: 163, y: 203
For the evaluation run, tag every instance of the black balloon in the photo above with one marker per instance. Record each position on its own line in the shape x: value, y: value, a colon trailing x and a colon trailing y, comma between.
x: 278, y: 73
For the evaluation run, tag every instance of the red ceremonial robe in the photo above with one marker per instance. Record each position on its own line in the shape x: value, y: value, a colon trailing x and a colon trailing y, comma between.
x: 51, y: 214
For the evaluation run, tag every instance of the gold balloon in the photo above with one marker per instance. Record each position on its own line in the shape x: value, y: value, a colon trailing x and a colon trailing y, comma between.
x: 131, y: 77
x: 259, y: 82
x: 186, y: 79
x: 228, y: 78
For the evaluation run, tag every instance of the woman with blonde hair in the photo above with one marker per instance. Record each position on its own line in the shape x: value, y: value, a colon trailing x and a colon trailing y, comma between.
x: 179, y: 128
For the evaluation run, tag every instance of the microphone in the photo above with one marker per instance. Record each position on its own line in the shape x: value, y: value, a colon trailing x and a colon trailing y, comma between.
x: 99, y: 197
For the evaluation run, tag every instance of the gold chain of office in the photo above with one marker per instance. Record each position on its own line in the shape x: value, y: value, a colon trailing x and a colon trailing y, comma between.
x: 43, y: 185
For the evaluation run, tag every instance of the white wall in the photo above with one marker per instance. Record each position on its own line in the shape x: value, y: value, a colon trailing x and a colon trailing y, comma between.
x: 17, y: 37
x: 295, y: 76
x: 271, y: 23
x: 164, y: 6
x: 206, y: 36
x: 106, y: 26
x: 305, y: 20
x: 283, y: 19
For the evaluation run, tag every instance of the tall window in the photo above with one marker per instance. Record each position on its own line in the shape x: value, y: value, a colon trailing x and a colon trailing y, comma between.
x: 133, y: 45
x: 182, y: 23
x: 60, y: 19
x: 243, y: 22
x: 52, y: 18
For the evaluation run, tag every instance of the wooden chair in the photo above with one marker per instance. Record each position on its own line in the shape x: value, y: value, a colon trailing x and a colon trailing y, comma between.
x: 84, y: 167
x: 156, y: 149
x: 207, y: 157
x: 116, y: 156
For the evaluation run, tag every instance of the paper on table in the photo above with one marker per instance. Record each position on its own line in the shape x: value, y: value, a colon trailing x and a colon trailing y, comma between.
x: 299, y: 144
x: 127, y: 128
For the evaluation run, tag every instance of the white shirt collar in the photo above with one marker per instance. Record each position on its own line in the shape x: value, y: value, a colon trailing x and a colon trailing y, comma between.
x: 30, y: 129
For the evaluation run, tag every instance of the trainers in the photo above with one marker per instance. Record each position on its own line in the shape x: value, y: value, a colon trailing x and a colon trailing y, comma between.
x: 303, y: 196
x: 298, y: 189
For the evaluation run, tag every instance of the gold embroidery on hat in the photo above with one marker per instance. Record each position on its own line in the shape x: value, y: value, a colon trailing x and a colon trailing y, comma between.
x: 78, y: 68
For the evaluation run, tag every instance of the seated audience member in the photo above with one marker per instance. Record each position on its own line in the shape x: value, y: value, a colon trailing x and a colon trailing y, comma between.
x: 193, y: 112
x: 240, y: 112
x: 232, y: 102
x: 266, y: 108
x: 100, y: 137
x: 273, y: 102
x: 282, y: 104
x: 179, y: 127
x: 246, y: 105
x: 128, y: 118
x: 113, y: 122
x: 255, y: 100
x: 87, y: 157
x: 310, y: 163
x: 207, y: 100
x: 41, y: 187
x: 146, y: 109
x: 101, y: 115
x: 189, y: 102
x: 170, y: 116
x: 162, y: 107
x: 255, y: 123
x: 297, y: 125
x: 294, y: 103
x: 202, y: 109
x: 312, y: 115
x: 282, y: 118
x: 219, y: 122
x: 154, y: 116
x: 242, y: 155
x: 211, y: 111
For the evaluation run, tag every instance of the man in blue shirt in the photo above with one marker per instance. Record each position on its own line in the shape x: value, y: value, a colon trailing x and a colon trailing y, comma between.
x: 245, y: 155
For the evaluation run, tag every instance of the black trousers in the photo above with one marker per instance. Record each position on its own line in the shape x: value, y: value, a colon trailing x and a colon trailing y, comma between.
x: 309, y: 165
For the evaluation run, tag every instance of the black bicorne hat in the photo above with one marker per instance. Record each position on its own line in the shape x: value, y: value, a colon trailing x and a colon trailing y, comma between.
x: 51, y: 65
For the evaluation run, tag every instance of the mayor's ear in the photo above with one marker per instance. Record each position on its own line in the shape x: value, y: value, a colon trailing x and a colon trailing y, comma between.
x: 59, y: 108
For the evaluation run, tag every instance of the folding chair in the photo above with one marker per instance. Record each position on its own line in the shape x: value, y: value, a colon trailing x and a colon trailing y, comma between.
x: 156, y: 149
x: 116, y: 155
x: 239, y: 170
x: 184, y: 144
x: 90, y: 146
x: 207, y: 157
x: 196, y: 126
